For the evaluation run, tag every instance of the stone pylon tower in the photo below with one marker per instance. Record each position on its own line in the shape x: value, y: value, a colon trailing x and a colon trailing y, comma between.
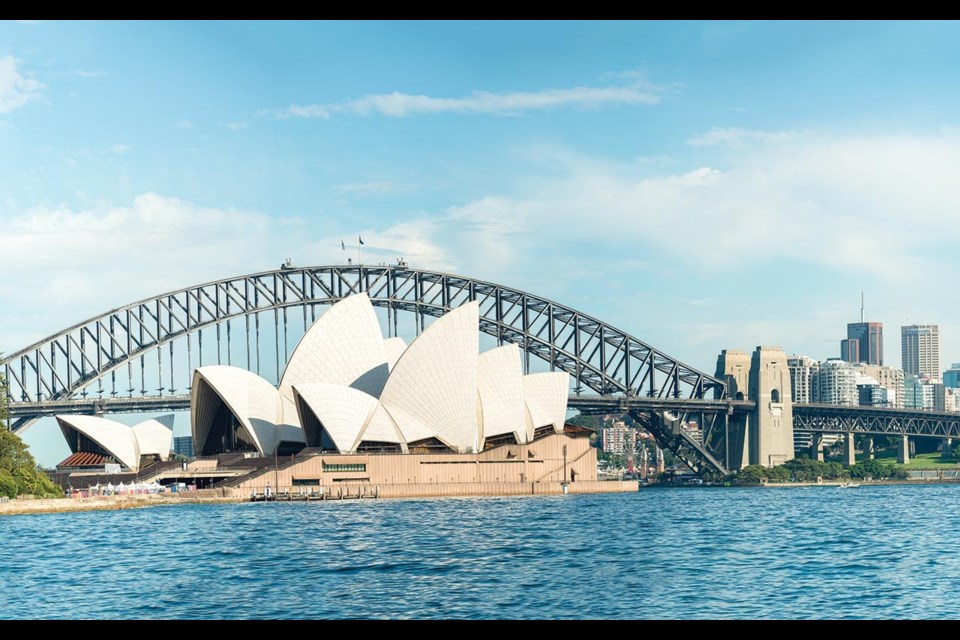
x: 765, y: 436
x: 771, y: 425
x: 733, y: 367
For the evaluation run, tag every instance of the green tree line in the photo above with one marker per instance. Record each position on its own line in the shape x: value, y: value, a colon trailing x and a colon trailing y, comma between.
x: 807, y: 470
x: 19, y: 474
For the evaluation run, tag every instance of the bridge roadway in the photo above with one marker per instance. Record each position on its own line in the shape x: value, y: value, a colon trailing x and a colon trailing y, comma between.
x: 812, y: 418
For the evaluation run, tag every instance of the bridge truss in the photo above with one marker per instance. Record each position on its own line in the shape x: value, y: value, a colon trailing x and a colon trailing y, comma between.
x: 149, y: 348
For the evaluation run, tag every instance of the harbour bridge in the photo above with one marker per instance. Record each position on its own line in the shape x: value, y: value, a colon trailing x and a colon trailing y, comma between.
x: 137, y: 357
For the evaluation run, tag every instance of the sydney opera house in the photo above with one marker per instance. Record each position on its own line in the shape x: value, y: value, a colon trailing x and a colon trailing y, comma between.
x: 96, y: 442
x: 352, y: 407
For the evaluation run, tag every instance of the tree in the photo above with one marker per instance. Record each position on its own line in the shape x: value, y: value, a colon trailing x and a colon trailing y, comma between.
x: 874, y: 469
x: 8, y: 485
x: 754, y: 474
x: 778, y: 474
x: 590, y: 422
x: 18, y: 470
x: 17, y: 463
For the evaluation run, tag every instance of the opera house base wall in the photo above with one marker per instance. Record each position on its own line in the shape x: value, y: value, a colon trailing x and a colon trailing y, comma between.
x: 527, y: 469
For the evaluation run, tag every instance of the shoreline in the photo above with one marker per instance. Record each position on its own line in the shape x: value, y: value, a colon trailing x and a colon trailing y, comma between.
x: 862, y: 483
x: 134, y: 501
x: 230, y: 495
x: 108, y: 503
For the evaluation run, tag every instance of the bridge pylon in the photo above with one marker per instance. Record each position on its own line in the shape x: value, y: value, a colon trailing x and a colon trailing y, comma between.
x: 765, y: 435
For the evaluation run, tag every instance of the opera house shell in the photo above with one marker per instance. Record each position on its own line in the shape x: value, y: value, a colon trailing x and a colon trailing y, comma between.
x: 97, y: 441
x: 348, y: 390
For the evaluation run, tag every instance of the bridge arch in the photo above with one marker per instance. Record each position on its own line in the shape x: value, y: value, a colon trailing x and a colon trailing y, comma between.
x: 598, y: 355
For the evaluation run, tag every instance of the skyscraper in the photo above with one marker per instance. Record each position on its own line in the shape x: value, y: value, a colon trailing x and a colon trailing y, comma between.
x: 869, y: 338
x: 864, y: 341
x: 850, y: 350
x: 920, y: 347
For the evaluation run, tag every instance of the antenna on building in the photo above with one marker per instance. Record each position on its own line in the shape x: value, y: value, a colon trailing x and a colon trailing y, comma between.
x: 861, y: 307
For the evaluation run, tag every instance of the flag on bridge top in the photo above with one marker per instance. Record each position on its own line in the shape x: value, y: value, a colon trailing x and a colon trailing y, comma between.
x: 361, y: 239
x: 343, y: 247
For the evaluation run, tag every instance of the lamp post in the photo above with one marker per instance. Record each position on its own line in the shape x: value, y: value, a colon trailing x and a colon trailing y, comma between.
x: 564, y: 468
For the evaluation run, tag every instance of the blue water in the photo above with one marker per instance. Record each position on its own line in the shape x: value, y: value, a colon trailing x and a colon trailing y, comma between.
x: 872, y: 552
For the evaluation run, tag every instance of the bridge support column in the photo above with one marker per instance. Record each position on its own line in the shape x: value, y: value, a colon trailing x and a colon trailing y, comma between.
x: 947, y: 452
x: 733, y: 367
x: 849, y: 452
x: 903, y: 450
x: 868, y: 448
x: 771, y: 424
x: 816, y: 447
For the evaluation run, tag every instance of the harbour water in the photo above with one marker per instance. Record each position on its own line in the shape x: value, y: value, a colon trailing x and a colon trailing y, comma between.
x: 817, y: 552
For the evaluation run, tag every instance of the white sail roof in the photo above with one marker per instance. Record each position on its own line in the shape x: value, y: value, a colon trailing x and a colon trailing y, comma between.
x: 393, y: 348
x: 500, y: 384
x: 381, y: 428
x: 154, y: 436
x: 254, y: 401
x: 545, y: 396
x: 345, y: 378
x: 433, y: 386
x: 114, y: 437
x: 344, y: 346
x: 341, y: 411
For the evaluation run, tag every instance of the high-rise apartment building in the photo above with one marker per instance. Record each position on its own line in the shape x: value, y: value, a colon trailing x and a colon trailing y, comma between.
x: 837, y: 383
x: 919, y: 393
x: 619, y: 438
x: 803, y: 373
x: 951, y: 377
x: 890, y: 379
x: 920, y: 348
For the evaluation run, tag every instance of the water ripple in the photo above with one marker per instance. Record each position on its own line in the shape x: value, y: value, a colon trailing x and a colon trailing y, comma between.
x: 878, y: 552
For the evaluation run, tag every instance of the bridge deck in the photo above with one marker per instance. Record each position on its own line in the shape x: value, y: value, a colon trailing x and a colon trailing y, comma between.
x: 818, y: 418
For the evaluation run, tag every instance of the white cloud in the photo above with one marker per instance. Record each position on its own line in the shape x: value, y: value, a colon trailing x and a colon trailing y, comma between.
x: 733, y: 137
x: 836, y: 202
x: 786, y: 228
x: 120, y: 148
x: 234, y: 126
x: 16, y: 90
x: 399, y: 105
x: 91, y: 260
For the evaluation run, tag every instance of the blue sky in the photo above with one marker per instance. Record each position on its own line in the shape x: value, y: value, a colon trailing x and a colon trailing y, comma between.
x: 700, y: 185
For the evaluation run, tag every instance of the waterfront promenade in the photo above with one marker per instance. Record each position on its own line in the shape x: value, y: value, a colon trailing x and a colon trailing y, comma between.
x: 228, y: 495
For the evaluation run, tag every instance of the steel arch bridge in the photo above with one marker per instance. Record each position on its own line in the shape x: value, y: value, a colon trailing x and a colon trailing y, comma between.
x: 171, y: 327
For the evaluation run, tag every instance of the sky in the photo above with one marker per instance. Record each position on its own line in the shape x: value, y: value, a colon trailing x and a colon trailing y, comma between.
x: 699, y: 185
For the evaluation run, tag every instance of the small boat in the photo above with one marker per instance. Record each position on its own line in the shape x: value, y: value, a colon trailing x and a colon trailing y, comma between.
x: 848, y: 485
